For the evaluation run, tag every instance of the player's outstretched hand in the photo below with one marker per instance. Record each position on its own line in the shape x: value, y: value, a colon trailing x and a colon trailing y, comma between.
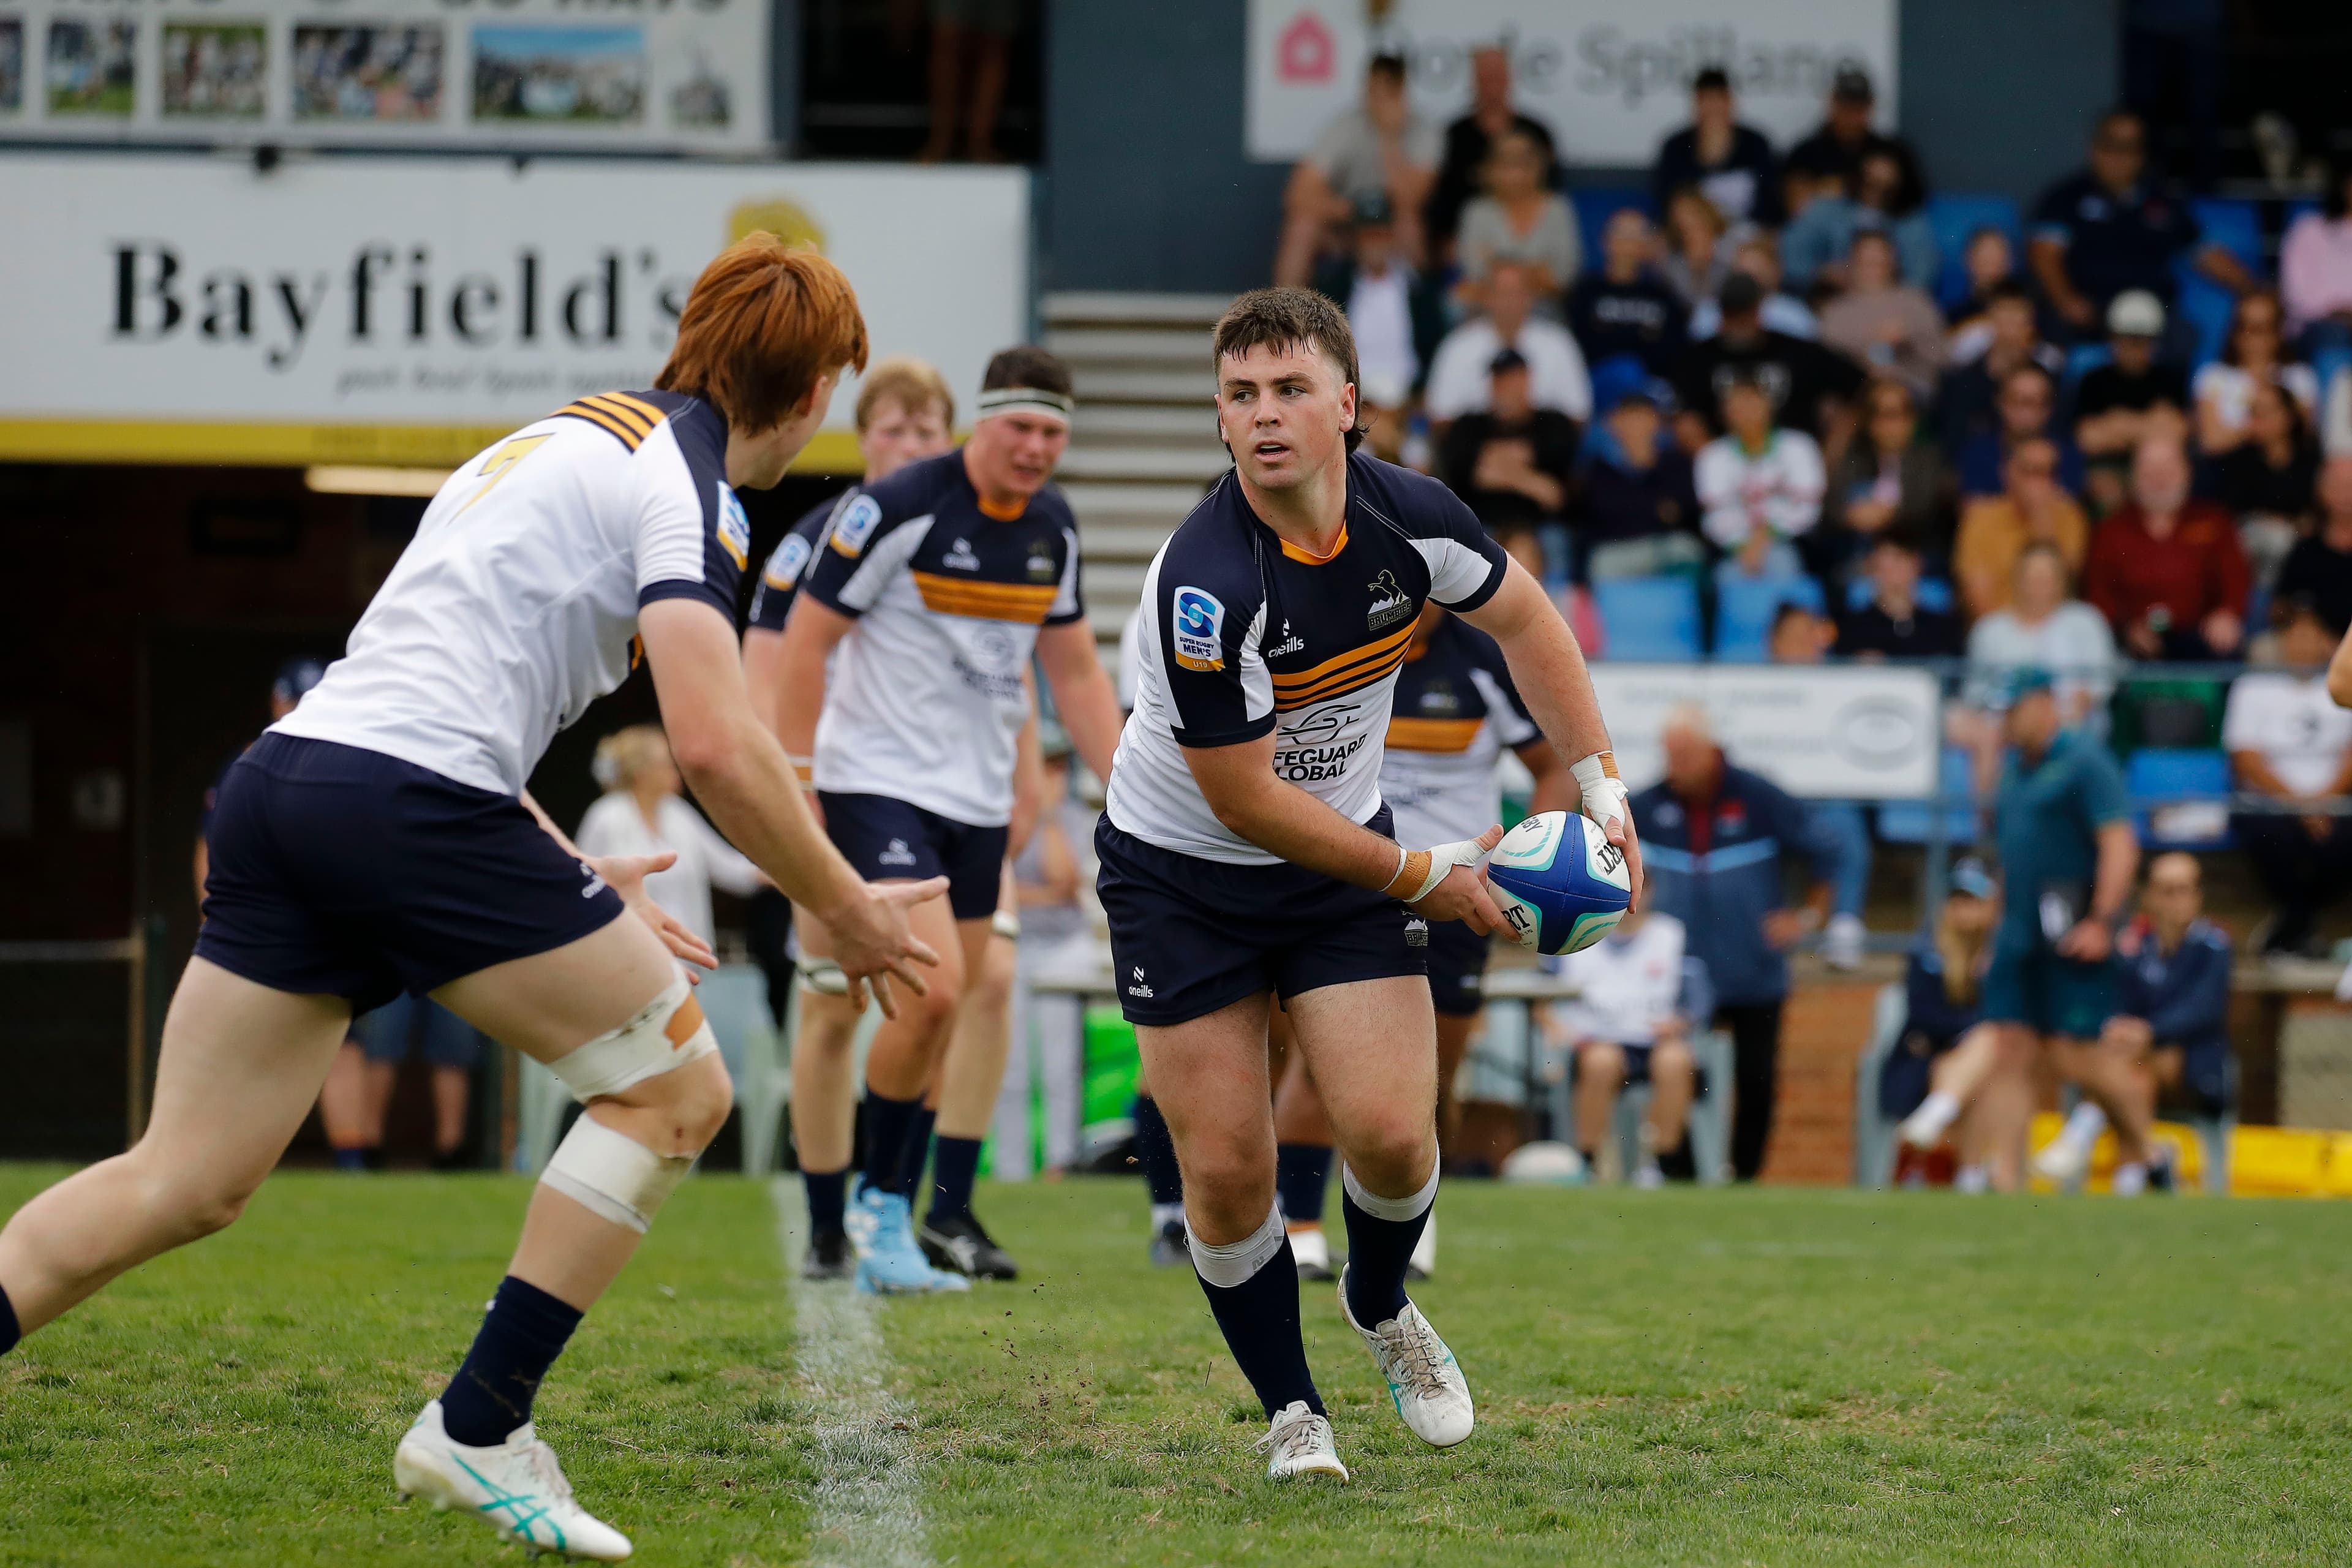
x: 872, y: 940
x: 626, y: 874
x: 1460, y: 894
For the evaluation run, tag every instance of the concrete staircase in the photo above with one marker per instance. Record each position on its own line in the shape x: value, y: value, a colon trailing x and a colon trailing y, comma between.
x: 1144, y: 447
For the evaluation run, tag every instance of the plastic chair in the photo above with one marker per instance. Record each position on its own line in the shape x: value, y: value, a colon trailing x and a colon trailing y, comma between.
x: 1873, y: 1131
x: 1914, y: 822
x: 1744, y: 608
x: 1653, y: 619
x: 2081, y: 361
x: 1954, y: 218
x: 2194, y: 784
x: 1935, y: 594
x: 1709, y: 1124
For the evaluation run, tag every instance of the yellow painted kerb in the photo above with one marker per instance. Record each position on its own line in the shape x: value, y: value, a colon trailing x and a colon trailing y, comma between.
x: 294, y: 446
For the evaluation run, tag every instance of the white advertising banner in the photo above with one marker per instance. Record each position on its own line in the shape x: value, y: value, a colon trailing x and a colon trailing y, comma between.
x: 166, y: 308
x: 1609, y: 76
x: 568, y: 73
x: 1851, y: 732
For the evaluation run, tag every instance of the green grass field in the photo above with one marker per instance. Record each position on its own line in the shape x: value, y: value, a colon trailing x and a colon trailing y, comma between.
x: 1755, y: 1376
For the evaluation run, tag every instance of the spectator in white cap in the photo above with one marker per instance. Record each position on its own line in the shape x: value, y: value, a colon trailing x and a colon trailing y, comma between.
x: 2132, y: 396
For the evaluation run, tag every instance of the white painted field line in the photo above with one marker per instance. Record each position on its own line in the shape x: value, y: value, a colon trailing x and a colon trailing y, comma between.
x: 870, y: 1510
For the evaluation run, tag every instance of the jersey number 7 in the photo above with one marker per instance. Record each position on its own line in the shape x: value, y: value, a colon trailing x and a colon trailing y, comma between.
x: 502, y: 462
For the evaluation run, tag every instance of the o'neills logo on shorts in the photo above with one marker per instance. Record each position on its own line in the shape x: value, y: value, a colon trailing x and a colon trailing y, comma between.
x: 1389, y: 602
x: 1197, y: 628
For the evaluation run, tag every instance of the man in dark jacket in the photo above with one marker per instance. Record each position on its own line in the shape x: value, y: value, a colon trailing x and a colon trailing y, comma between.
x: 1637, y: 511
x: 1729, y: 164
x: 1714, y: 840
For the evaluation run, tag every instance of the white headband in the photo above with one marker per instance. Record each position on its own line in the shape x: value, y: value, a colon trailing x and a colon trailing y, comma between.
x: 1023, y: 400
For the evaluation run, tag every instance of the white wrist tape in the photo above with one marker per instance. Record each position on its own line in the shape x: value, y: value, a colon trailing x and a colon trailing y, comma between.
x: 669, y: 1033
x: 611, y: 1173
x: 1605, y: 795
x: 1443, y: 857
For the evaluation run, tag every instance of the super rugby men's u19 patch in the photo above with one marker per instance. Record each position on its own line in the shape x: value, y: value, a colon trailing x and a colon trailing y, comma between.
x: 856, y: 526
x: 785, y: 566
x: 734, y: 528
x: 1199, y: 629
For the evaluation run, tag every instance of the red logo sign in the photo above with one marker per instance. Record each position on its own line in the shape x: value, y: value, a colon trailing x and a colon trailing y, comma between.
x: 1306, y: 52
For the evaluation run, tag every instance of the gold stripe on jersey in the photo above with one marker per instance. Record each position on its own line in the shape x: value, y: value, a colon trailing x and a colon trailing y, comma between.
x: 1340, y: 685
x: 1344, y: 672
x: 1026, y: 602
x: 628, y: 416
x: 1432, y: 735
x: 628, y: 433
x: 652, y: 413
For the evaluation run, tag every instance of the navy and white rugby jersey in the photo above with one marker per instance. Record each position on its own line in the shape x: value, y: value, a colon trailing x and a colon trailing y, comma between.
x: 926, y: 697
x: 1243, y: 634
x: 1454, y: 712
x: 788, y: 562
x: 516, y: 605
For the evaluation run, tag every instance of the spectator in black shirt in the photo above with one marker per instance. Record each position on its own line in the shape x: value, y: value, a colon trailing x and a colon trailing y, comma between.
x: 1512, y: 462
x: 1835, y: 150
x: 1810, y: 386
x: 1622, y: 307
x: 1730, y: 163
x: 2268, y: 479
x: 1968, y: 402
x: 2110, y: 228
x: 1470, y: 139
x: 2319, y: 567
x: 1894, y: 624
x: 2131, y: 397
x: 1637, y: 509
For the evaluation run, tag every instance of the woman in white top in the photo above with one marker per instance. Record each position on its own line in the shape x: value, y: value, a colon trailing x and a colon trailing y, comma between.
x: 2042, y: 626
x: 1518, y: 220
x: 643, y: 814
x: 2255, y: 353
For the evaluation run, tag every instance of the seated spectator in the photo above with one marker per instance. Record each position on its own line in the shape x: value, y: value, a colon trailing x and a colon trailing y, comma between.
x: 2110, y: 228
x: 1888, y: 480
x: 1623, y: 308
x: 2319, y: 567
x: 2287, y: 740
x: 1838, y: 146
x: 1798, y: 635
x: 1469, y: 141
x: 1637, y: 511
x: 2316, y: 270
x: 1398, y: 316
x: 2270, y: 479
x: 2254, y: 355
x: 1459, y: 377
x: 1810, y: 386
x: 1512, y: 462
x: 1384, y: 406
x: 1990, y: 266
x: 1996, y: 531
x: 1697, y: 257
x: 642, y: 812
x: 1382, y: 149
x: 2129, y: 399
x: 2166, y: 570
x: 1639, y: 997
x: 1730, y: 163
x: 1884, y: 325
x: 2027, y: 408
x: 1894, y: 624
x: 1970, y: 403
x: 1759, y: 486
x: 1518, y: 220
x: 1944, y: 1063
x: 1819, y: 242
x: 2042, y: 628
x: 1758, y: 256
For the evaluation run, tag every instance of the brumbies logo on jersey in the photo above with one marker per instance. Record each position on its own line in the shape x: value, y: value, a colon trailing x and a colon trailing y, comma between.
x: 1390, y: 602
x: 734, y: 528
x: 856, y: 526
x: 1200, y: 629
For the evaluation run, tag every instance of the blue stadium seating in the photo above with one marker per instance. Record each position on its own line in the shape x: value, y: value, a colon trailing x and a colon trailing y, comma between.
x: 1653, y: 619
x: 1744, y: 608
x: 1935, y: 594
x: 1913, y: 821
x: 2161, y: 775
x: 2081, y: 361
x: 2237, y: 227
x: 1954, y: 218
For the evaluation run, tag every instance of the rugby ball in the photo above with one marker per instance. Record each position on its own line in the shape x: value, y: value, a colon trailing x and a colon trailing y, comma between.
x: 1545, y: 1165
x: 1559, y: 882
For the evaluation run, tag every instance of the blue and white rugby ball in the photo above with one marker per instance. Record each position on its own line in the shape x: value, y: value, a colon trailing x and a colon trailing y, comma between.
x: 1559, y: 882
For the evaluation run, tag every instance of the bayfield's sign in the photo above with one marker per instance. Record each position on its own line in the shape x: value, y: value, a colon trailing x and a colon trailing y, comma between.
x: 685, y: 74
x: 187, y: 308
x: 1843, y: 732
x: 1609, y: 76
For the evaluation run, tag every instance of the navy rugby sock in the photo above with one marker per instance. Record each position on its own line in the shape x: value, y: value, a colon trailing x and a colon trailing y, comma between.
x: 1301, y: 1173
x: 9, y: 1333
x: 1381, y: 1235
x: 886, y: 1121
x: 1252, y: 1291
x: 955, y: 1161
x: 827, y: 1200
x: 1155, y: 1150
x: 522, y: 1334
x: 918, y: 1153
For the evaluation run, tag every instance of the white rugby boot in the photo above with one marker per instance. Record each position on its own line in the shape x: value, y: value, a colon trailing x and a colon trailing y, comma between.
x: 1311, y: 1250
x: 1299, y: 1444
x: 516, y: 1486
x: 1430, y: 1394
x: 1424, y: 1262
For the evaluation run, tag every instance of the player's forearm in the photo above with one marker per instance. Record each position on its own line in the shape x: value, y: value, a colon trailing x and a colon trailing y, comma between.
x: 765, y: 666
x: 1548, y: 667
x: 1084, y: 698
x: 1283, y: 820
x: 746, y: 784
x: 2118, y: 864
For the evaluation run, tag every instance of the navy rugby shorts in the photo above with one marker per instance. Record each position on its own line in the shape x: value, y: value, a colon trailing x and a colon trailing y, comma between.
x: 890, y: 840
x: 1188, y: 936
x: 343, y: 872
x: 1457, y: 968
